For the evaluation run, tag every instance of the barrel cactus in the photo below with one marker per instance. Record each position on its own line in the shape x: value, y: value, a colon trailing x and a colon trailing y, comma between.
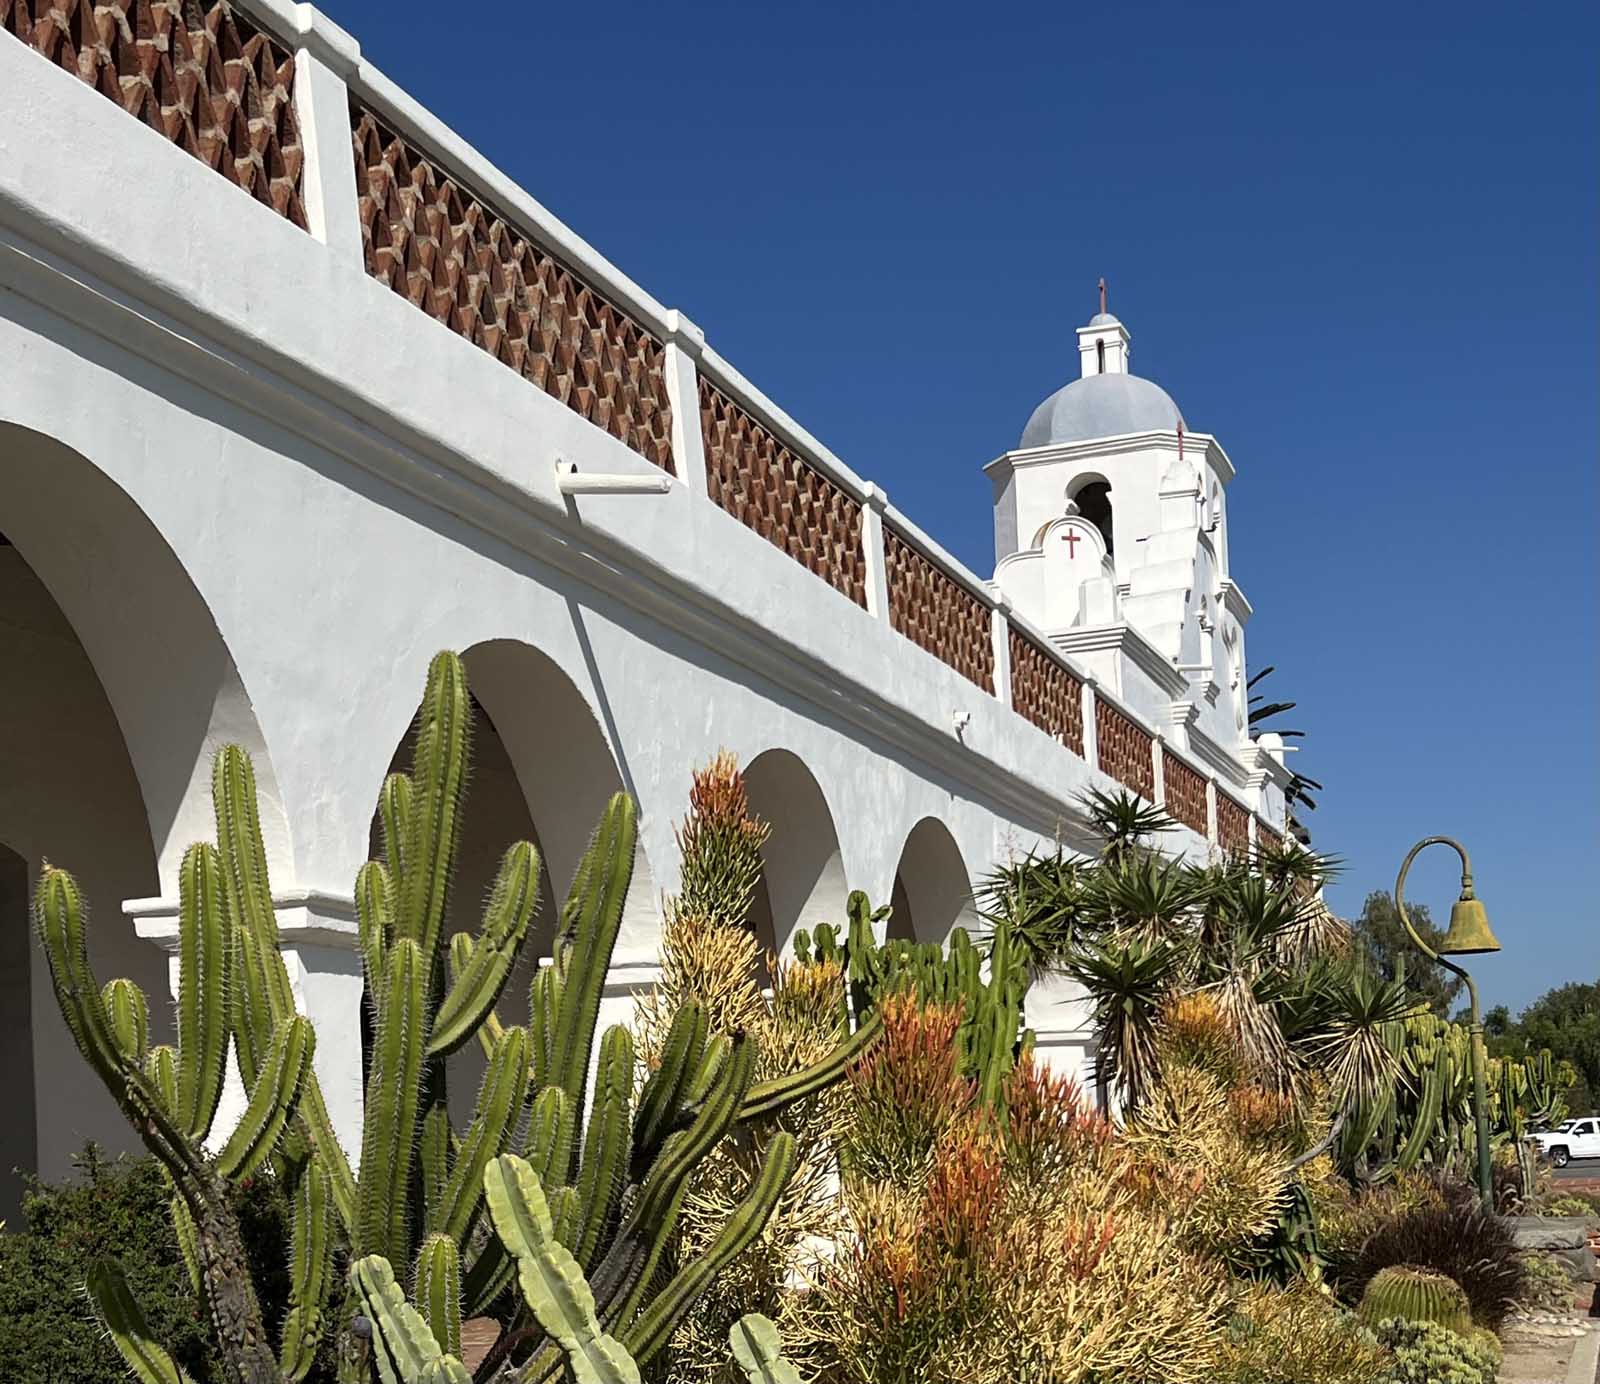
x: 1416, y: 1295
x: 614, y: 1184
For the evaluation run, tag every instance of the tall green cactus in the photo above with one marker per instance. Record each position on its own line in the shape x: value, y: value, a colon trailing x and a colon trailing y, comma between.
x: 991, y: 1036
x: 614, y: 1183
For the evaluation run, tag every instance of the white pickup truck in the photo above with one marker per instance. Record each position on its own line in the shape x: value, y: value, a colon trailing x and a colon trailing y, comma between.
x: 1574, y: 1139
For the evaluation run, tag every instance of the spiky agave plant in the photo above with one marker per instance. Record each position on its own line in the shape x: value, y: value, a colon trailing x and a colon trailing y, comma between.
x: 617, y: 1190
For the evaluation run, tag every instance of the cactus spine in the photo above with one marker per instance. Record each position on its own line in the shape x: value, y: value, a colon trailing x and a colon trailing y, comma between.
x: 1417, y: 1295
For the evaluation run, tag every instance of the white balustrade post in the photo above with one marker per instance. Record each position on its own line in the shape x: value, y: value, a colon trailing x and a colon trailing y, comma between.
x: 1091, y: 732
x: 872, y: 549
x: 685, y: 342
x: 325, y: 56
x: 1000, y: 628
x: 1211, y: 808
x: 1158, y: 769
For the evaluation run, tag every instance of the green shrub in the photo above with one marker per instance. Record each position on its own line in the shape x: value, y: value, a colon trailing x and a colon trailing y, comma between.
x: 120, y: 1206
x: 1294, y: 1335
x: 1569, y: 1205
x: 1455, y: 1238
x: 1546, y: 1285
x: 1428, y: 1354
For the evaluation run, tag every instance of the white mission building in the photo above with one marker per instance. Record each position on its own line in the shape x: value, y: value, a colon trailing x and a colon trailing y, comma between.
x: 299, y: 389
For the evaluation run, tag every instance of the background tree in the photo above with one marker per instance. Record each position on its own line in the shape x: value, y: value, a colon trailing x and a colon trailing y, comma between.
x: 1567, y: 1021
x: 1391, y: 952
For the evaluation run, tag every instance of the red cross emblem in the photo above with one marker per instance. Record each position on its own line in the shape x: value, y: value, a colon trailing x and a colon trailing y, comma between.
x: 1070, y: 538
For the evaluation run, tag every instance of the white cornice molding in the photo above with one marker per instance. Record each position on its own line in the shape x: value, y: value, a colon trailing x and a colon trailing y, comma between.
x: 1264, y: 767
x: 1125, y: 640
x: 1217, y: 757
x: 1155, y: 440
x: 1233, y: 600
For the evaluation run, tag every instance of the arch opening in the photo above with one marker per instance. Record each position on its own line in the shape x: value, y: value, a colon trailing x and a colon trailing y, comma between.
x: 1093, y: 499
x: 541, y: 771
x: 119, y: 688
x: 802, y: 876
x: 932, y: 889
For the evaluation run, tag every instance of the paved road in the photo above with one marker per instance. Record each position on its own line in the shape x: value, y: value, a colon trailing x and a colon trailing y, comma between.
x: 1579, y: 1170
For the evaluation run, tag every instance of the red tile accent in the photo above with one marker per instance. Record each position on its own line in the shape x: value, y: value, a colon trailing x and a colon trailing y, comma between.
x: 1125, y: 750
x: 1046, y: 691
x: 454, y: 256
x: 1186, y: 793
x: 774, y: 491
x: 933, y: 609
x: 200, y: 75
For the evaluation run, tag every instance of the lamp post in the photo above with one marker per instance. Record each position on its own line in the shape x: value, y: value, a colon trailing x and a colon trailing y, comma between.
x: 1469, y: 935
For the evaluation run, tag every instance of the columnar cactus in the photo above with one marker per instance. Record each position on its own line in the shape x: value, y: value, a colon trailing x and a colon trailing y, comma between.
x: 990, y: 1037
x: 613, y: 1189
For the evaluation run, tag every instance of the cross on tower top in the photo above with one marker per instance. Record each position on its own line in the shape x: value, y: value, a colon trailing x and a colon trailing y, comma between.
x: 1102, y: 293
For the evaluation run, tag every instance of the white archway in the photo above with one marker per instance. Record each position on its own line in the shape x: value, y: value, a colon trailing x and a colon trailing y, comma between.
x: 932, y: 889
x: 118, y: 690
x: 542, y: 771
x: 803, y: 879
x: 165, y: 668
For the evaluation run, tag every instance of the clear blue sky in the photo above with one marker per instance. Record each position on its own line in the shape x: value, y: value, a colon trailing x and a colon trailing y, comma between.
x: 1361, y: 250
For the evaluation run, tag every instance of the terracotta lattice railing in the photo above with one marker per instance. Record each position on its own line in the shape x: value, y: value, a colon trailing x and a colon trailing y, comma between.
x: 1186, y: 793
x: 201, y: 75
x: 772, y: 490
x: 1267, y: 839
x: 1125, y: 749
x: 1233, y: 825
x: 445, y: 250
x: 1045, y: 691
x: 933, y: 609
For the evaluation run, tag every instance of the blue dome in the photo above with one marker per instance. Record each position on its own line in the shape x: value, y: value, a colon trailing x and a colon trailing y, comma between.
x: 1101, y: 406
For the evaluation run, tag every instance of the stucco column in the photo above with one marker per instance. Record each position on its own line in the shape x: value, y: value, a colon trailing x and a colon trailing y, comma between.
x: 631, y: 974
x: 324, y: 58
x: 1063, y: 1028
x: 1000, y: 627
x: 1091, y: 735
x: 685, y: 341
x: 876, y: 502
x: 317, y: 936
x: 1211, y: 808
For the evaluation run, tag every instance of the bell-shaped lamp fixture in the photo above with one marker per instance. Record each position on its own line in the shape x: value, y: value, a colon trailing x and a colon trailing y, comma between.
x: 1469, y: 932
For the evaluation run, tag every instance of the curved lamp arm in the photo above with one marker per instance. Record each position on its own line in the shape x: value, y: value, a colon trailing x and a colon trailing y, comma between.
x: 1466, y: 890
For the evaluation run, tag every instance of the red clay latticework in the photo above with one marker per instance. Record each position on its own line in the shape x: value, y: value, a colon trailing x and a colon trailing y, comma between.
x: 1233, y: 825
x: 1186, y: 793
x: 1125, y: 750
x: 932, y: 609
x: 200, y: 75
x: 1267, y: 840
x: 1045, y: 691
x: 449, y: 253
x: 770, y: 489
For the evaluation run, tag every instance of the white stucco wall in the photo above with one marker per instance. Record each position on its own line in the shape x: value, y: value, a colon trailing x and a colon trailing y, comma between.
x: 264, y: 490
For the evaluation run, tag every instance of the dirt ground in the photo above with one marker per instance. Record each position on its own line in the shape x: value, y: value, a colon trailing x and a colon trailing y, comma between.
x: 1539, y: 1352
